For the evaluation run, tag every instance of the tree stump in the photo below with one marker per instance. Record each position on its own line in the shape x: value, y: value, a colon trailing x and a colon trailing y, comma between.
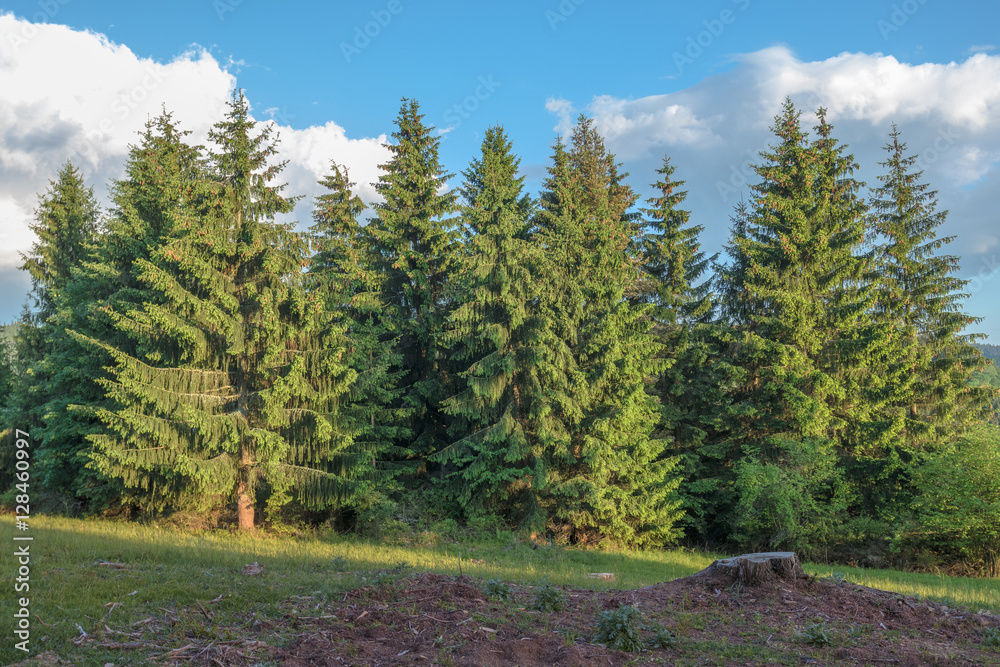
x: 757, y: 569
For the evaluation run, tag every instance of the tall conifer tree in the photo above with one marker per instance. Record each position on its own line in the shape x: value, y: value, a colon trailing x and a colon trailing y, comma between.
x: 415, y: 244
x: 786, y: 483
x: 494, y: 336
x: 920, y: 298
x: 234, y: 384
x: 343, y: 272
x: 608, y: 479
x: 67, y: 226
x: 697, y: 373
x: 673, y: 260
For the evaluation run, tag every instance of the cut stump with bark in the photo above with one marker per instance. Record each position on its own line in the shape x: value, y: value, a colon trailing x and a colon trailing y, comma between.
x: 757, y: 569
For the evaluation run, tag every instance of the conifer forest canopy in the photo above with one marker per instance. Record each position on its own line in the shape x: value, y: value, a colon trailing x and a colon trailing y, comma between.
x: 572, y: 365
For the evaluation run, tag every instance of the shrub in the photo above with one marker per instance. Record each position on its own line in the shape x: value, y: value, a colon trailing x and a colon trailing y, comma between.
x: 663, y: 638
x: 794, y: 499
x: 958, y: 506
x: 498, y: 590
x: 619, y: 629
x: 816, y: 634
x: 548, y: 598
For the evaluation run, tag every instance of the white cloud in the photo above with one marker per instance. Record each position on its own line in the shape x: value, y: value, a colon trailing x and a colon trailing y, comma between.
x: 563, y: 109
x: 74, y: 94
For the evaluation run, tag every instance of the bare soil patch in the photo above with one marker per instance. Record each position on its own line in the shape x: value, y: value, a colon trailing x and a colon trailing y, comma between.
x: 434, y: 619
x: 426, y: 619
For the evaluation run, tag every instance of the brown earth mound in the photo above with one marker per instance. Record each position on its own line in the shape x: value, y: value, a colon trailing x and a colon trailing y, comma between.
x: 753, y: 610
x: 787, y: 618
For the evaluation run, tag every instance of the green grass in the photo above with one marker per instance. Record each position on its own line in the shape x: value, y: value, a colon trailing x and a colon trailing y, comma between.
x: 968, y: 592
x: 167, y: 569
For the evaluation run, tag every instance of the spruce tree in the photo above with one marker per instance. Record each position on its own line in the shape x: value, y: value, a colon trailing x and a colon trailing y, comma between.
x: 67, y: 224
x: 342, y: 272
x: 608, y: 479
x: 150, y: 204
x: 234, y: 383
x: 921, y: 299
x: 673, y: 260
x: 793, y: 250
x: 697, y: 372
x: 494, y: 338
x: 414, y: 241
x: 856, y: 345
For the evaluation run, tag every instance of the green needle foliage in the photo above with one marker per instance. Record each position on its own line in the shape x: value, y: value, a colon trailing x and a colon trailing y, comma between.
x: 494, y: 335
x: 47, y: 373
x: 234, y: 384
x: 554, y: 366
x: 673, y: 260
x: 921, y: 299
x: 799, y: 269
x: 608, y: 480
x: 341, y: 273
x: 415, y: 247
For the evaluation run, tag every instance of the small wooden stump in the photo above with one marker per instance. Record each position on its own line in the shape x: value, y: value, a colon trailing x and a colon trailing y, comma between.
x: 253, y: 569
x: 757, y: 569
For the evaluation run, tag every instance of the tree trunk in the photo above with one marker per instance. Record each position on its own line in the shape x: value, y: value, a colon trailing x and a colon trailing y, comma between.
x: 244, y: 507
x: 757, y: 569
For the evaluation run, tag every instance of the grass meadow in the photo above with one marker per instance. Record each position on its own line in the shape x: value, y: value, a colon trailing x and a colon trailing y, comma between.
x: 85, y: 574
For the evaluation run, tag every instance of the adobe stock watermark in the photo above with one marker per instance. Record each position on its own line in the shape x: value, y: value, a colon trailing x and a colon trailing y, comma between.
x: 714, y: 28
x: 280, y: 117
x: 363, y: 35
x: 944, y: 139
x: 985, y: 275
x: 47, y: 10
x: 739, y: 176
x: 464, y: 109
x: 126, y: 102
x: 562, y: 12
x: 223, y: 7
x: 119, y: 110
x: 898, y: 17
x: 22, y: 548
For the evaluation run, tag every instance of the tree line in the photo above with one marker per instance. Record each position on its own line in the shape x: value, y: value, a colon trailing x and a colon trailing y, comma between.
x: 571, y: 365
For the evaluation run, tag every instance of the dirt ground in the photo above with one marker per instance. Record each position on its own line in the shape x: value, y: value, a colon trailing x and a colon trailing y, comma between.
x: 434, y: 619
x: 427, y: 619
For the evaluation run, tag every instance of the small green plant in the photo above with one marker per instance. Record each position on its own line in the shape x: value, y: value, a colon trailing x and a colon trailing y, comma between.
x: 548, y: 598
x: 662, y: 638
x: 619, y: 628
x: 498, y: 590
x: 338, y: 564
x: 389, y: 577
x: 856, y: 631
x: 815, y: 634
x: 991, y: 637
x: 836, y: 577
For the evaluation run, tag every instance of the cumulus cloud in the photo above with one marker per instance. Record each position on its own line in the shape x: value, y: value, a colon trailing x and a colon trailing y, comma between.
x: 70, y: 94
x: 563, y: 110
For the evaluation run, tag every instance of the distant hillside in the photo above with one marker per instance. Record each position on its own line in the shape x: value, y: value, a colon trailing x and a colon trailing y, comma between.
x: 990, y: 351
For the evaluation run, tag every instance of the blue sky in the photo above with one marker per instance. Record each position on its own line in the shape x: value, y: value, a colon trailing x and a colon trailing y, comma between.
x: 697, y: 81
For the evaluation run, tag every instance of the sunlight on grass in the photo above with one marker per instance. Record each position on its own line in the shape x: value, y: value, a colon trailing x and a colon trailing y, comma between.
x: 84, y: 542
x: 975, y: 593
x: 70, y: 548
x: 87, y: 573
